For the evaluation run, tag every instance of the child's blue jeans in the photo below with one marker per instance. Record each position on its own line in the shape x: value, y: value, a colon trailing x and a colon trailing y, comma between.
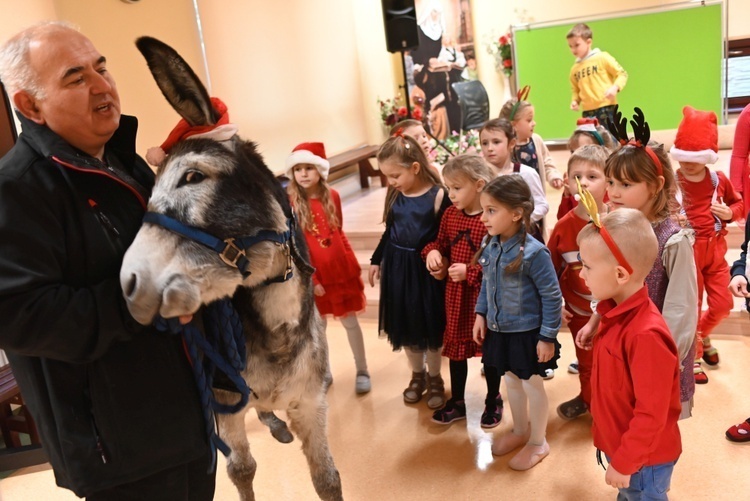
x: 650, y: 483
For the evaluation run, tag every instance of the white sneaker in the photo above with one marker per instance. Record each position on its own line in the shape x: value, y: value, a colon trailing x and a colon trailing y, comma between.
x: 548, y: 374
x: 362, y: 382
x: 573, y: 367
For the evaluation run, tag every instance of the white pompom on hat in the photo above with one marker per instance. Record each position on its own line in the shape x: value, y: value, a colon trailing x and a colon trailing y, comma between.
x: 309, y: 153
x: 697, y: 138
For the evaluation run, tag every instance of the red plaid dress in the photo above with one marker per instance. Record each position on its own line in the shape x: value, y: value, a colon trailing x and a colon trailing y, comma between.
x: 458, y: 239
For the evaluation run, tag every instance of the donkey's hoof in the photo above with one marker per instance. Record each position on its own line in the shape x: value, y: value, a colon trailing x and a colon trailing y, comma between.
x: 282, y: 433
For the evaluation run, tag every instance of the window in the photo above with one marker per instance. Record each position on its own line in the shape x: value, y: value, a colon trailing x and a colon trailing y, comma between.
x: 738, y: 74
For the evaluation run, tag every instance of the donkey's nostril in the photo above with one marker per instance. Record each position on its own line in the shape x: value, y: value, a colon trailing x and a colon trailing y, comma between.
x: 130, y: 286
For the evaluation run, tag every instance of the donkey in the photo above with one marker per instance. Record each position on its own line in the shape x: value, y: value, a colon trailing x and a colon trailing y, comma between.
x: 225, y: 189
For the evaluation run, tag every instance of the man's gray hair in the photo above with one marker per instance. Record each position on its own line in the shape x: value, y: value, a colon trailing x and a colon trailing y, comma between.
x: 15, y: 70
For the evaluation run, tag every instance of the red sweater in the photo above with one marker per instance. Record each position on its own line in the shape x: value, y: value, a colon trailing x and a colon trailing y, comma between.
x: 635, y: 388
x: 698, y: 197
x: 738, y: 166
x: 563, y: 249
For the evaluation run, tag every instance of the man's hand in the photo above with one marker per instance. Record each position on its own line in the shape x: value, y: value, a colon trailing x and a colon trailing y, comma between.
x: 373, y: 274
x: 616, y: 479
x: 479, y: 330
x: 738, y: 286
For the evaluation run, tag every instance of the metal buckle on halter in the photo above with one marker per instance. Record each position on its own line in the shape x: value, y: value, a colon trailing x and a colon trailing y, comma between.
x: 288, y: 271
x: 231, y: 253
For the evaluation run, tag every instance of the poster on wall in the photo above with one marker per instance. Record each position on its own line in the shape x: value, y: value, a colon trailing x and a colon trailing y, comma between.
x: 445, y: 55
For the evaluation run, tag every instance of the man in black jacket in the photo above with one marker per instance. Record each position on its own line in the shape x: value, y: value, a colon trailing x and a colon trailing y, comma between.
x: 115, y: 403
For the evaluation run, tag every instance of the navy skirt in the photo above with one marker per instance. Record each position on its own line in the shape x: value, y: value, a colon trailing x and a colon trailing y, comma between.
x: 516, y: 352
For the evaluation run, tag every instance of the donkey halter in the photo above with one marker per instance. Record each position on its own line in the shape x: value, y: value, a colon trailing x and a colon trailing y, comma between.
x: 232, y: 251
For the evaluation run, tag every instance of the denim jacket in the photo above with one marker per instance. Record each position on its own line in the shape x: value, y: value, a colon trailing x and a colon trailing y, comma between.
x: 528, y: 299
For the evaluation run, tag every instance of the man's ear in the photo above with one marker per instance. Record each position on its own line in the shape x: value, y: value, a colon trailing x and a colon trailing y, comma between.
x: 26, y: 104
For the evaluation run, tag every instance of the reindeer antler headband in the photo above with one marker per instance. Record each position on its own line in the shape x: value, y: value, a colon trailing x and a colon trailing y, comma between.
x: 522, y: 95
x: 641, y: 131
x: 588, y: 202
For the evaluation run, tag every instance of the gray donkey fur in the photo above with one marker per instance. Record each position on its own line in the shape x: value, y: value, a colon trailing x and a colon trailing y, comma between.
x: 226, y: 189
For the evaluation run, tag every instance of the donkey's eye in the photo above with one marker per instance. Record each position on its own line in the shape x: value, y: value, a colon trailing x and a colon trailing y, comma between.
x: 192, y: 177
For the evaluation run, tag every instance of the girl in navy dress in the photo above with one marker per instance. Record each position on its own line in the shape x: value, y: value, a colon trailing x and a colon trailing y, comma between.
x: 412, y: 313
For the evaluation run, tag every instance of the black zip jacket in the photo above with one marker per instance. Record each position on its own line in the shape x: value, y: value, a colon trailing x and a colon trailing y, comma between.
x: 114, y: 401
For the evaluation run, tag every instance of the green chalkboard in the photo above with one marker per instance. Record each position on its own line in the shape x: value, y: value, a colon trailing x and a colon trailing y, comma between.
x: 673, y: 58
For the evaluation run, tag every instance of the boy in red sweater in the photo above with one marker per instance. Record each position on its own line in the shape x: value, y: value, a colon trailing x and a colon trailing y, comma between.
x: 710, y: 202
x: 585, y: 166
x: 635, y: 395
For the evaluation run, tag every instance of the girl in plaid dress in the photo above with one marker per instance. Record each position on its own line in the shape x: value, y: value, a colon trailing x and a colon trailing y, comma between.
x: 448, y: 257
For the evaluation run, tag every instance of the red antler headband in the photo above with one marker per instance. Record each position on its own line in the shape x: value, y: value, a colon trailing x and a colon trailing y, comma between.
x: 522, y: 95
x: 588, y: 202
x: 641, y: 131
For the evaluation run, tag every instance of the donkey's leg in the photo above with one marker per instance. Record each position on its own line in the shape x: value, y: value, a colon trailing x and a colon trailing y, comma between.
x: 240, y: 463
x: 277, y: 426
x: 308, y: 420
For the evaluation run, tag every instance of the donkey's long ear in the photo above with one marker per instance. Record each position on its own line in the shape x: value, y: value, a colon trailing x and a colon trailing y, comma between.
x: 178, y: 82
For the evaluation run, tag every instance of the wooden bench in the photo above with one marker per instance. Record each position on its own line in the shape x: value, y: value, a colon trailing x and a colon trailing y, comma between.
x: 360, y: 156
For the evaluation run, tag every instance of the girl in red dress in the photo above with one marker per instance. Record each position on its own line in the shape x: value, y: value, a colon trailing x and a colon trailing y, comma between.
x: 459, y: 238
x: 337, y: 281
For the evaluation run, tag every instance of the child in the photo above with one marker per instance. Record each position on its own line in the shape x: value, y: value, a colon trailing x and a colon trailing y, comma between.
x: 641, y: 177
x: 596, y: 77
x: 412, y: 313
x: 518, y: 315
x: 709, y: 202
x: 588, y: 131
x: 498, y: 139
x: 415, y: 130
x: 461, y: 232
x: 530, y: 148
x: 738, y: 285
x: 586, y: 166
x: 635, y: 390
x: 337, y: 280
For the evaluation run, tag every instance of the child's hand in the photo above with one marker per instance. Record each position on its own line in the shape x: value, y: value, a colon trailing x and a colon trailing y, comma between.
x: 434, y: 261
x: 373, y: 274
x: 574, y: 106
x: 585, y: 336
x: 544, y: 351
x: 616, y: 479
x: 557, y: 183
x: 479, y: 330
x: 738, y: 286
x: 611, y: 93
x: 318, y: 290
x: 457, y: 272
x: 721, y: 210
x: 566, y: 316
x: 441, y: 273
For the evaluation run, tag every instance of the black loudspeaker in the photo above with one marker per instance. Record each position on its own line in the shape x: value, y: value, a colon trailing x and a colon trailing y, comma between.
x: 400, y: 20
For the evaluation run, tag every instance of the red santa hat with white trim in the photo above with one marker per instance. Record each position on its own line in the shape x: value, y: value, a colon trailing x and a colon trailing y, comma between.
x: 697, y: 139
x: 309, y: 153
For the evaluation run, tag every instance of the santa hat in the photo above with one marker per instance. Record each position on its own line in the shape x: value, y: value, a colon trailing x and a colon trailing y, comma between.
x: 697, y: 138
x: 222, y: 130
x: 309, y: 153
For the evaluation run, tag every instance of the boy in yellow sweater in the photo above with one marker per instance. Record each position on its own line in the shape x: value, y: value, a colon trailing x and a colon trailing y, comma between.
x: 596, y: 77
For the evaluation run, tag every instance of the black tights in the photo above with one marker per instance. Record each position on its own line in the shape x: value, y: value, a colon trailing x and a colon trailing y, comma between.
x: 459, y: 371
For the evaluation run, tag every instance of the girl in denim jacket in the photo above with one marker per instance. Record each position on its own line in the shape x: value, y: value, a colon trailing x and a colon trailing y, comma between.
x: 518, y: 315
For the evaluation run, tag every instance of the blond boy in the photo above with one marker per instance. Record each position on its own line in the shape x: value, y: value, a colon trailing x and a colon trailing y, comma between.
x: 635, y: 400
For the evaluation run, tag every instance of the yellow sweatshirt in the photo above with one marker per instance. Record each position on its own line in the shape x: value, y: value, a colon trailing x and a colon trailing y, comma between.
x: 592, y: 76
